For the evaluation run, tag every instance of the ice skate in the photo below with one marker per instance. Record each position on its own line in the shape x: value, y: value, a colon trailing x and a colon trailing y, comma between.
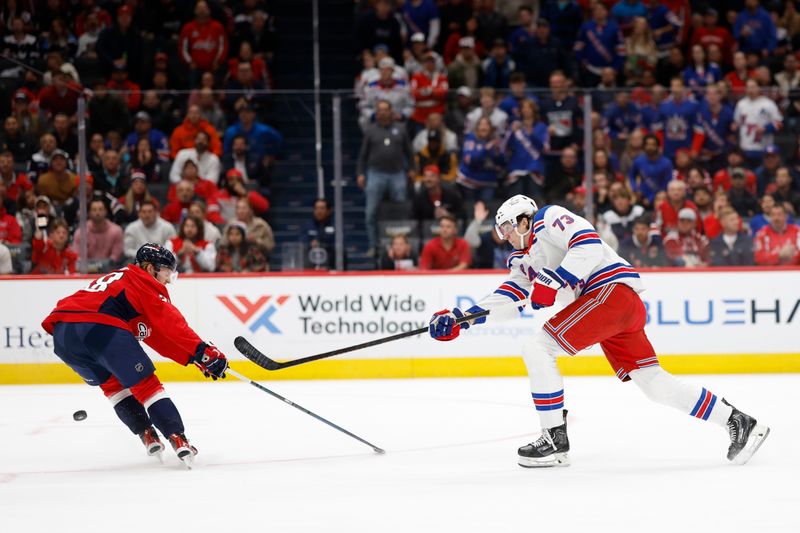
x: 152, y: 443
x: 548, y: 450
x: 185, y: 451
x: 746, y: 434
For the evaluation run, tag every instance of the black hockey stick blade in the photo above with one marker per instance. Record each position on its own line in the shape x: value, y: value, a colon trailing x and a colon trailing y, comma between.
x: 254, y: 355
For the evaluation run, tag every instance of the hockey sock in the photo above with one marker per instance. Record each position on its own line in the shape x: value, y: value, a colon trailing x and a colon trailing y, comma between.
x: 159, y: 406
x: 127, y: 407
x: 547, y: 385
x: 664, y: 388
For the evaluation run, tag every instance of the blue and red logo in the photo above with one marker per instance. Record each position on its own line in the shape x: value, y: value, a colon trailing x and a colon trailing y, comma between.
x: 262, y: 308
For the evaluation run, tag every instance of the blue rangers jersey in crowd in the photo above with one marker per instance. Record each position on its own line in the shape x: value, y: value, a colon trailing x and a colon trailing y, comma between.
x: 569, y: 245
x: 481, y: 161
x: 619, y: 119
x: 678, y: 125
x: 762, y: 32
x: 510, y: 104
x: 716, y: 128
x: 648, y: 176
x: 696, y: 79
x: 525, y: 149
x: 600, y: 46
x: 660, y: 18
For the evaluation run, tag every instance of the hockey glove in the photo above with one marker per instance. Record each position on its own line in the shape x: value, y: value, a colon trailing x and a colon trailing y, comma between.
x: 443, y: 325
x: 211, y: 362
x: 545, y: 288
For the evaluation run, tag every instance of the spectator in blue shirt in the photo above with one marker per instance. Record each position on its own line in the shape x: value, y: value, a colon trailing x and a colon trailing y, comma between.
x: 262, y: 140
x: 754, y: 30
x: 423, y: 16
x: 621, y: 117
x: 650, y: 172
x: 540, y: 56
x: 625, y: 11
x: 497, y: 68
x: 700, y: 72
x: 143, y: 129
x: 525, y: 32
x: 518, y: 93
x: 599, y: 45
x: 525, y: 142
x: 481, y: 163
x: 565, y: 18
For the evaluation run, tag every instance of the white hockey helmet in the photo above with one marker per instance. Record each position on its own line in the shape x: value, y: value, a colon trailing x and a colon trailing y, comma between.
x: 510, y: 211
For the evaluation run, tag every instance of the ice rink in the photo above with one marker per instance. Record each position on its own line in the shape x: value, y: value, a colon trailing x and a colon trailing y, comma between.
x: 450, y: 464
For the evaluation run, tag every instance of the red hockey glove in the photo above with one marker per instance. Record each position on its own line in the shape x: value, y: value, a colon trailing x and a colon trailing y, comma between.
x: 545, y: 288
x: 211, y: 362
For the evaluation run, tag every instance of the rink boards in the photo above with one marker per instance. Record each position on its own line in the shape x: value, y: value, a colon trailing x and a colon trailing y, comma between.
x: 700, y: 321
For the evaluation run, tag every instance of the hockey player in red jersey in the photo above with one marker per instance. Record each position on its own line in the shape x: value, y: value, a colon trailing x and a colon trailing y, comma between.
x: 556, y: 249
x: 96, y: 332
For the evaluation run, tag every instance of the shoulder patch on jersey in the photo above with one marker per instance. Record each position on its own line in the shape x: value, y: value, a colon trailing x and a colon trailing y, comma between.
x: 539, y: 216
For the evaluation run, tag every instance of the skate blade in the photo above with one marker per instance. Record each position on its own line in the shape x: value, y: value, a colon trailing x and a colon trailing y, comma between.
x: 754, y: 442
x: 188, y: 461
x: 557, y: 459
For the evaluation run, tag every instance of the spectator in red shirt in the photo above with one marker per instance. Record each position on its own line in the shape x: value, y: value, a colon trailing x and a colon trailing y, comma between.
x: 779, y: 242
x: 676, y: 201
x: 722, y: 179
x: 737, y: 78
x: 62, y: 96
x: 178, y: 206
x: 232, y: 189
x: 710, y: 33
x: 447, y: 251
x: 685, y: 247
x: 51, y: 252
x: 203, y: 42
x: 429, y: 88
x: 16, y: 183
x: 184, y: 135
x: 202, y: 187
x: 10, y: 232
x: 119, y: 82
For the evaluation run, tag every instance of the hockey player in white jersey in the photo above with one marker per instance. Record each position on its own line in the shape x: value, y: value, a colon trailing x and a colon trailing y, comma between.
x: 556, y: 249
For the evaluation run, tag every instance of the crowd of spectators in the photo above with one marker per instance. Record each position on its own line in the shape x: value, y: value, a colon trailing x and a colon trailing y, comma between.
x: 694, y: 120
x: 178, y: 152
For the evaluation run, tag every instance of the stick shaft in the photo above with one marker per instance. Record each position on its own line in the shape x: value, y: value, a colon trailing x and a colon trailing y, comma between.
x: 376, y: 342
x: 301, y: 408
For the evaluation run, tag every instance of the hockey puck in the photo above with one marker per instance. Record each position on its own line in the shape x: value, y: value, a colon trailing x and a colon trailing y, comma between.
x: 79, y: 415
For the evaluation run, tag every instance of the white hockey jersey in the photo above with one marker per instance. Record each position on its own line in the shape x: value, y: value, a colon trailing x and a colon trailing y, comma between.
x: 568, y: 245
x: 753, y: 114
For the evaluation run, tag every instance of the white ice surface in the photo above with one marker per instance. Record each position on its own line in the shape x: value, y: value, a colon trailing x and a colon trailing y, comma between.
x: 450, y: 464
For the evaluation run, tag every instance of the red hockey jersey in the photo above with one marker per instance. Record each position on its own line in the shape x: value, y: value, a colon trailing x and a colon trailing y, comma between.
x: 131, y: 299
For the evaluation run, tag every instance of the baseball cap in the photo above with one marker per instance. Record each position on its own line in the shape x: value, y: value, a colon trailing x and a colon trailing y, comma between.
x: 234, y: 173
x: 738, y: 172
x: 160, y: 56
x: 59, y: 153
x: 21, y: 95
x: 543, y: 22
x: 429, y: 55
x: 138, y: 174
x: 380, y: 48
x: 143, y: 115
x: 432, y: 168
x: 580, y: 189
x: 418, y: 37
x: 466, y: 42
x: 464, y: 91
x: 687, y: 213
x: 772, y: 149
x: 386, y: 62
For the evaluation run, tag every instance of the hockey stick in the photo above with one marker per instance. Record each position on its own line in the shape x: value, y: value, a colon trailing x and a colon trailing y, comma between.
x: 301, y: 408
x: 256, y: 356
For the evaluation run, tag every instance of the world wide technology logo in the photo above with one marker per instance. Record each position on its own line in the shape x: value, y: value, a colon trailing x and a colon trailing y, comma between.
x: 263, y: 308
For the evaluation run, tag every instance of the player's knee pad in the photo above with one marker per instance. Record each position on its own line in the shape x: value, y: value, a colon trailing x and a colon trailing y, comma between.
x: 148, y: 391
x: 656, y: 383
x: 114, y: 390
x: 539, y: 351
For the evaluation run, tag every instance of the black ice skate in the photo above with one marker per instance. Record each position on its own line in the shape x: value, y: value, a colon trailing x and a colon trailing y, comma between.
x: 152, y: 443
x: 185, y: 451
x: 548, y: 450
x: 746, y: 434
